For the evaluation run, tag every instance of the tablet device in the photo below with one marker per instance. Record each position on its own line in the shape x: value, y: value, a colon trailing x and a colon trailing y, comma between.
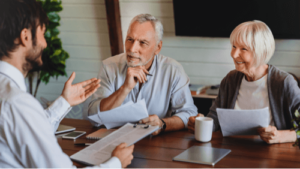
x: 63, y: 128
x: 202, y: 155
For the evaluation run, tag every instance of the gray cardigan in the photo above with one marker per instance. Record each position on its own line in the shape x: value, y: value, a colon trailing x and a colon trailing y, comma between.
x: 283, y: 91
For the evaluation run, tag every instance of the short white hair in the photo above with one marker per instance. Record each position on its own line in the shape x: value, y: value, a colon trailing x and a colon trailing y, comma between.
x: 141, y: 18
x: 256, y: 36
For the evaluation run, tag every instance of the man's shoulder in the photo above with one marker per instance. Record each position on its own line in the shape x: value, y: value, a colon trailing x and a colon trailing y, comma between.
x: 12, y: 94
x: 167, y: 62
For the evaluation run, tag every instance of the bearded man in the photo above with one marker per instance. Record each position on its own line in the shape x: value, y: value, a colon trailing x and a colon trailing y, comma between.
x: 142, y: 73
x: 27, y: 130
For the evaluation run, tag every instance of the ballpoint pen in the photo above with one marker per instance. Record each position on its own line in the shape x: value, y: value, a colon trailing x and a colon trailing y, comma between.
x: 82, y: 144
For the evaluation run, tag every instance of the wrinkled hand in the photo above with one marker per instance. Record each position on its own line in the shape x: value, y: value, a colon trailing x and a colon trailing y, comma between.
x: 124, y: 154
x: 191, y: 123
x: 269, y: 134
x: 78, y: 93
x: 134, y: 75
x: 153, y: 120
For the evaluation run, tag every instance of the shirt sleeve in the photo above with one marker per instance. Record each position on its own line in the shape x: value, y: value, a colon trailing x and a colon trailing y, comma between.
x: 182, y: 103
x: 30, y: 135
x: 107, y: 88
x: 57, y: 111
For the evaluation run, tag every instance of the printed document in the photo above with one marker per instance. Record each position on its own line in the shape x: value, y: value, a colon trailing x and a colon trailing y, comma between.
x: 242, y: 122
x: 128, y: 113
x: 100, y: 151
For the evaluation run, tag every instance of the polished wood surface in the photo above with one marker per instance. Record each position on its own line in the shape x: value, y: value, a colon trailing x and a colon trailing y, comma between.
x: 158, y: 151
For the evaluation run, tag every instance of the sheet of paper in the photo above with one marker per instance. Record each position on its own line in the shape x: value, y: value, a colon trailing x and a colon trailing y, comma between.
x: 242, y: 122
x: 101, y: 150
x: 127, y: 113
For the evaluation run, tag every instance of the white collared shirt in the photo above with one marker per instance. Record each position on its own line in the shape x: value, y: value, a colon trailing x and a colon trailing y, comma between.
x: 27, y: 137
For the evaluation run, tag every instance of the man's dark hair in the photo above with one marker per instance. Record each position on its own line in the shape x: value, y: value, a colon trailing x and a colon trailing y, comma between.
x: 15, y: 15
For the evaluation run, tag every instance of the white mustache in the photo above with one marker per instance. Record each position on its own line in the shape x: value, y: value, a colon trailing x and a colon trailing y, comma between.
x: 134, y: 55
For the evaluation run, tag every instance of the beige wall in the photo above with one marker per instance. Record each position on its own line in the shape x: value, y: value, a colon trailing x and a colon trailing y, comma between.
x: 205, y: 60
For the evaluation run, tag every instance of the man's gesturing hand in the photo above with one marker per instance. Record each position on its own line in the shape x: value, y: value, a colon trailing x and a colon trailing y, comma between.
x: 134, y: 75
x: 124, y: 154
x: 78, y: 93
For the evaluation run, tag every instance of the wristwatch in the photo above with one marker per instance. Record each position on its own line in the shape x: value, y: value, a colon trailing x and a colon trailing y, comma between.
x: 163, y: 127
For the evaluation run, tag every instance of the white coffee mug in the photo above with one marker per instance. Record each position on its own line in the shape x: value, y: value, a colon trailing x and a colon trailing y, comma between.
x: 203, y: 128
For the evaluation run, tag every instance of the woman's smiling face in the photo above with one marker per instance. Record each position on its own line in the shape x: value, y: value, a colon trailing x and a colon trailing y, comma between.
x: 243, y: 58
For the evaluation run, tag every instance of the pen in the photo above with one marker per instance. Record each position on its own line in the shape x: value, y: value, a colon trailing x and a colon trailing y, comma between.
x: 82, y: 144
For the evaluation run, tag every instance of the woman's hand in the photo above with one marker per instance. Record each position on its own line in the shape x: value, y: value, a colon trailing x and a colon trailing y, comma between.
x: 271, y: 135
x: 191, y: 123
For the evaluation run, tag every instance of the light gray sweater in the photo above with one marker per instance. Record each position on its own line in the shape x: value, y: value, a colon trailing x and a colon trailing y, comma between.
x: 283, y: 91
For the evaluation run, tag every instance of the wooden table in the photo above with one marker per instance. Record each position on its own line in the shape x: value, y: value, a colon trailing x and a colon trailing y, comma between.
x: 158, y: 151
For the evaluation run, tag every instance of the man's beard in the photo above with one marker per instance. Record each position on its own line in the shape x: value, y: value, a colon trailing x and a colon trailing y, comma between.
x: 131, y: 64
x: 33, y: 60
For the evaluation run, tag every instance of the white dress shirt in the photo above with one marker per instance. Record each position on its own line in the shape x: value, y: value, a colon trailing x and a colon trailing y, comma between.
x: 254, y: 95
x: 27, y: 137
x: 166, y: 92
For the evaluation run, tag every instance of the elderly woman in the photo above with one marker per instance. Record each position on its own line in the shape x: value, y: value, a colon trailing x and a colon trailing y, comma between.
x: 255, y: 84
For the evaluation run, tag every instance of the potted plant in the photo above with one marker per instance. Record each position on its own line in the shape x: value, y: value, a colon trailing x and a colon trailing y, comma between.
x: 54, y: 56
x: 296, y: 122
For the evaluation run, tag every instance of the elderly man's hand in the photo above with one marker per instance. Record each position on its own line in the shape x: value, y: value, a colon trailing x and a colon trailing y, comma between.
x: 191, y: 123
x: 124, y: 154
x: 78, y: 93
x: 134, y: 75
x: 153, y: 120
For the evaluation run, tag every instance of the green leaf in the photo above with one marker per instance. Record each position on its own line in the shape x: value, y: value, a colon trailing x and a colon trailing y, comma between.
x: 298, y: 133
x: 54, y: 32
x: 57, y: 52
x: 297, y: 114
x: 47, y: 34
x: 53, y: 17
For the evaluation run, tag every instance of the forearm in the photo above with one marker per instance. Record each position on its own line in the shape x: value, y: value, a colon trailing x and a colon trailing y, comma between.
x: 287, y: 136
x: 174, y: 123
x: 114, y: 100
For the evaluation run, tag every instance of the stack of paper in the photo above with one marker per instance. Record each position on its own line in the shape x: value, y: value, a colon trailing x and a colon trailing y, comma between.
x: 127, y: 113
x: 101, y: 150
x: 242, y: 122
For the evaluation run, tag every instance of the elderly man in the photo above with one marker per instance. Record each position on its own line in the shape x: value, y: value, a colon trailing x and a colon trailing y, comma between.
x: 142, y: 73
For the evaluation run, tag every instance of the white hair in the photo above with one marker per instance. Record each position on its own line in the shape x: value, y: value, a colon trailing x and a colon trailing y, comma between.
x: 256, y: 36
x: 159, y: 30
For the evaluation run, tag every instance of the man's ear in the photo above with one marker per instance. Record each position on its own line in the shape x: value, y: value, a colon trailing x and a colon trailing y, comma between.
x: 25, y: 38
x: 158, y: 48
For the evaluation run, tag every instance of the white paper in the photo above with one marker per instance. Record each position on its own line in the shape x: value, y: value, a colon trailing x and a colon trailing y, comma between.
x: 242, y: 122
x: 127, y: 113
x: 100, y: 151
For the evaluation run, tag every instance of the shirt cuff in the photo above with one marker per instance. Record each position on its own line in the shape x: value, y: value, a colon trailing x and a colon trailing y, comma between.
x: 60, y: 106
x: 113, y: 162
